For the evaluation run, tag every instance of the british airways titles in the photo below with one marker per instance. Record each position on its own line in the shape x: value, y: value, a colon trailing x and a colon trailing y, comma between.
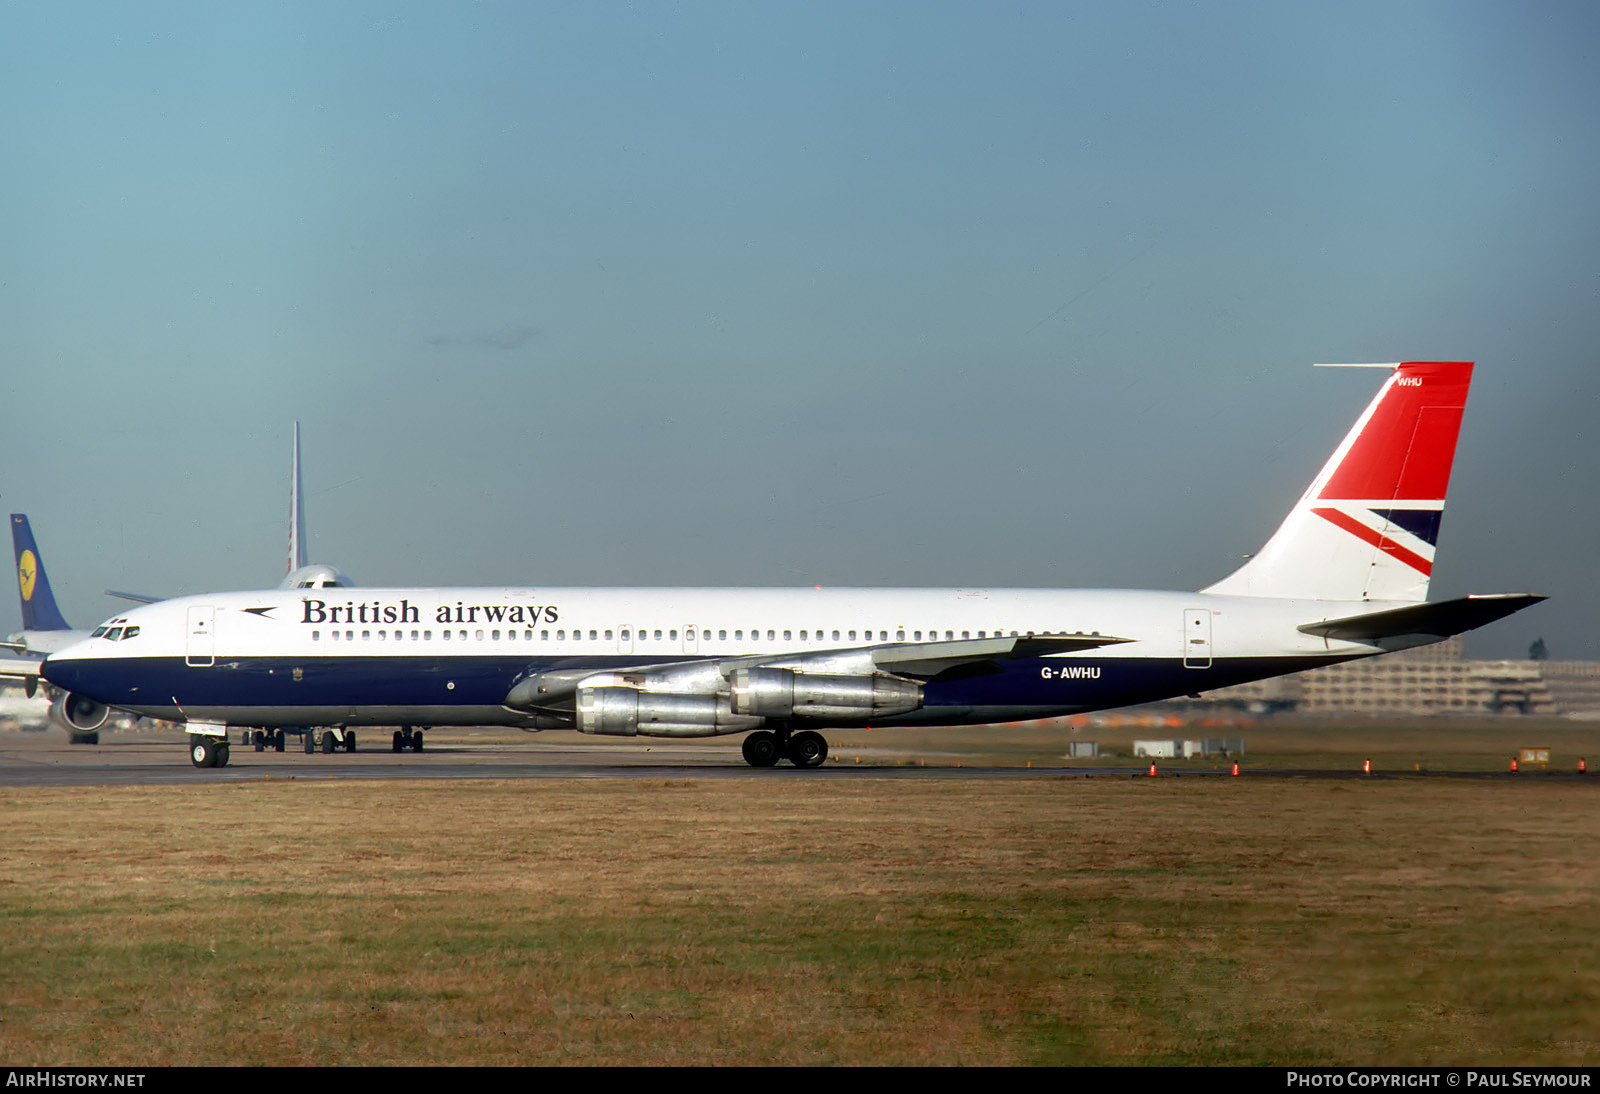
x: 320, y: 611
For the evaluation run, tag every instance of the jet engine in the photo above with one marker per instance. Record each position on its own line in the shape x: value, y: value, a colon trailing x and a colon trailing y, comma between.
x: 79, y: 715
x: 784, y: 693
x: 627, y: 712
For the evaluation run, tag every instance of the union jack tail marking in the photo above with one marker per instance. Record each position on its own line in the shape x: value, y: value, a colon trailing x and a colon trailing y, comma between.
x: 1368, y: 526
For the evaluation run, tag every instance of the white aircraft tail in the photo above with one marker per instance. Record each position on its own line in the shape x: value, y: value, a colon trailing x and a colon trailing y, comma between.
x: 297, y: 511
x: 1367, y: 526
x: 304, y: 574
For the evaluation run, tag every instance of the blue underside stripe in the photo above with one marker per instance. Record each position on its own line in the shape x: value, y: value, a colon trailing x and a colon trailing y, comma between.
x: 375, y: 683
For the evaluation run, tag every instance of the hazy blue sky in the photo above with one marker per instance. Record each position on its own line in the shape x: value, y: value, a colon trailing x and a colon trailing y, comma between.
x: 748, y: 293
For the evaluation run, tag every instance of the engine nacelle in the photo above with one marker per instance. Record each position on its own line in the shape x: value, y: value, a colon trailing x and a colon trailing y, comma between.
x: 78, y: 713
x: 627, y: 712
x: 784, y: 693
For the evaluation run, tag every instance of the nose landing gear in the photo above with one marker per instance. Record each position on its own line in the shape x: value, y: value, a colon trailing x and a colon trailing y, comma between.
x: 208, y: 751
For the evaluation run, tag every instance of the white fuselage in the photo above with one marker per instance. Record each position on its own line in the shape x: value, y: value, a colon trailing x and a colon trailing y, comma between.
x: 452, y: 655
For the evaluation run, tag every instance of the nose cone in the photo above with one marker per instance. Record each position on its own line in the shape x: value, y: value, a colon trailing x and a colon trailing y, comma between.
x: 68, y: 669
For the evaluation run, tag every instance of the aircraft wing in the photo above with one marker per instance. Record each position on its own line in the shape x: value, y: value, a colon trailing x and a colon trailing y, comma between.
x: 26, y: 669
x: 928, y: 659
x: 556, y: 688
x: 1427, y: 622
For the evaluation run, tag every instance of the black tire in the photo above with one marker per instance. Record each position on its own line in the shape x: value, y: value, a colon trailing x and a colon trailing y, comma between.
x: 202, y: 752
x: 222, y: 754
x: 259, y: 739
x: 808, y: 749
x: 399, y: 741
x: 760, y: 748
x: 349, y: 740
x: 310, y: 739
x: 327, y: 741
x: 416, y: 741
x: 277, y: 741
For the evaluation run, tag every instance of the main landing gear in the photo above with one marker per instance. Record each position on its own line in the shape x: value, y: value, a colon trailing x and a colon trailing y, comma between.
x: 764, y: 748
x: 407, y: 738
x: 264, y: 739
x: 337, y: 740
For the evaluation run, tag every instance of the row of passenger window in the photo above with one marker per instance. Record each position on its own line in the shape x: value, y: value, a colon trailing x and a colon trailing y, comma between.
x: 627, y: 633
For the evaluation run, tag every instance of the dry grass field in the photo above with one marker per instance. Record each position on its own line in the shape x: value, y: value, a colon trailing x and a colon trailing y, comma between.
x: 1292, y: 743
x: 1057, y: 920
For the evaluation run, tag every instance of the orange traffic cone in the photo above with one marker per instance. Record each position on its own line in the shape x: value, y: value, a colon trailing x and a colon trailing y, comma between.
x: 1152, y: 769
x: 1366, y: 767
x: 1513, y: 765
x: 1236, y: 767
x: 1583, y: 768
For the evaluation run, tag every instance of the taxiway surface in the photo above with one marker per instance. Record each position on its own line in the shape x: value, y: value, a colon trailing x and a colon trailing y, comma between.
x: 160, y: 758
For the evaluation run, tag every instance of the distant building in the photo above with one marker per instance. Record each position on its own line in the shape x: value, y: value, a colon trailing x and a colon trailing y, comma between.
x: 1429, y: 680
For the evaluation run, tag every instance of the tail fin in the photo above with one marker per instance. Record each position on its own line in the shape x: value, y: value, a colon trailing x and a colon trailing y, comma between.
x: 297, y: 510
x: 1367, y: 526
x: 39, y: 611
x: 302, y: 574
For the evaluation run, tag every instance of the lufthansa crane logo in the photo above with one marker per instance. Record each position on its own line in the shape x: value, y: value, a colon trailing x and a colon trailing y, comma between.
x: 27, y: 571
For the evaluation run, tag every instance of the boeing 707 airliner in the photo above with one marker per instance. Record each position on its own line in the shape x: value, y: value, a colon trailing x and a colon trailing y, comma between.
x: 1345, y: 576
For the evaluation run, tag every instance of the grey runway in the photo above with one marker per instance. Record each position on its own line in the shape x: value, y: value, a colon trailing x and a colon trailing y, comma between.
x: 158, y: 758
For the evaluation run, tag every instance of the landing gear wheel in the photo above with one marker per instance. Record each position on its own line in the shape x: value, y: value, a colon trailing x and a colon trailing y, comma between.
x: 259, y: 739
x: 277, y: 741
x: 222, y: 755
x: 203, y: 751
x: 760, y: 749
x: 327, y: 742
x: 310, y: 739
x: 808, y: 749
x: 349, y: 740
x: 416, y: 741
x: 399, y: 741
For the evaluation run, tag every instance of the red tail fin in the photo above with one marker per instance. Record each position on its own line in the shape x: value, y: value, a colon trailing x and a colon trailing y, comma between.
x: 1367, y: 527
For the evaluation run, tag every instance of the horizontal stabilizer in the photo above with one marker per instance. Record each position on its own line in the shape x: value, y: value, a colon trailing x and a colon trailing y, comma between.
x: 931, y: 658
x: 1424, y: 621
x: 137, y: 598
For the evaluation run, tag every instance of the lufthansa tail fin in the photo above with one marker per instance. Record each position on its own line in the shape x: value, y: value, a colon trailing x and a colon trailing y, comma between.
x: 39, y: 611
x: 1367, y: 526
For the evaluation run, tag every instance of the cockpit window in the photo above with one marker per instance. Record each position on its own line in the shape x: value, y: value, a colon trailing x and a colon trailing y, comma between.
x: 97, y: 632
x: 113, y: 634
x: 131, y: 632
